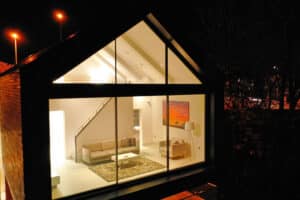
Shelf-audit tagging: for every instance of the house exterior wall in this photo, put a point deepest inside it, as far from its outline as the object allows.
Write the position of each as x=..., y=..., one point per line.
x=11, y=133
x=35, y=132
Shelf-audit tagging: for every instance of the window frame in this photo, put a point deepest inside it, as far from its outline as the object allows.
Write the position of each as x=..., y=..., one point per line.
x=90, y=90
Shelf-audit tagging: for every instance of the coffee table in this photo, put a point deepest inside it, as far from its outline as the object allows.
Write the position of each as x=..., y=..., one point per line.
x=124, y=161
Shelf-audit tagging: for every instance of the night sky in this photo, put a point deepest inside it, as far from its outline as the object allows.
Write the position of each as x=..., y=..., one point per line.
x=35, y=20
x=36, y=24
x=249, y=34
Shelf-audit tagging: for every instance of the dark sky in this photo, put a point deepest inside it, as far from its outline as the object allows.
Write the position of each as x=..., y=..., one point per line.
x=34, y=20
x=250, y=34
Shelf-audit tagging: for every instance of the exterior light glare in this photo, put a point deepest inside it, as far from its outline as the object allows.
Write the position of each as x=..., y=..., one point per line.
x=15, y=35
x=60, y=17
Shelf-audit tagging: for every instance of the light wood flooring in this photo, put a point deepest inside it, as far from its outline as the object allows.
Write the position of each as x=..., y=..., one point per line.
x=76, y=177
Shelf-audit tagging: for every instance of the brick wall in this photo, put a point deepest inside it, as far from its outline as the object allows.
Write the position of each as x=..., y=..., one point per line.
x=11, y=134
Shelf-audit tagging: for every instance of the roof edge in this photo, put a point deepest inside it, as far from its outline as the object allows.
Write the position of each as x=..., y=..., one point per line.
x=172, y=41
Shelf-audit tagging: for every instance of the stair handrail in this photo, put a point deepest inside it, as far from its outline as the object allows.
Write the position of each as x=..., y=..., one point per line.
x=87, y=122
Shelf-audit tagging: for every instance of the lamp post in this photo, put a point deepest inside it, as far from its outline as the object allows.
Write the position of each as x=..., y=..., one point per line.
x=15, y=36
x=60, y=18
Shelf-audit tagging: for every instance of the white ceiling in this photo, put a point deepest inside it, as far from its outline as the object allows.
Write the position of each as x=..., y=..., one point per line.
x=140, y=59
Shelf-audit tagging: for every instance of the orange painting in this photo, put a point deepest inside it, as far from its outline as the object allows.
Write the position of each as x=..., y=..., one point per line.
x=178, y=113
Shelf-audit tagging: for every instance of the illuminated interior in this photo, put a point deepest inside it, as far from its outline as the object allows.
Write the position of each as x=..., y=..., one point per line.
x=140, y=59
x=57, y=138
x=93, y=137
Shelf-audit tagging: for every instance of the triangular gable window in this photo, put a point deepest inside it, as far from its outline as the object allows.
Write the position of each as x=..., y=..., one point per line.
x=136, y=57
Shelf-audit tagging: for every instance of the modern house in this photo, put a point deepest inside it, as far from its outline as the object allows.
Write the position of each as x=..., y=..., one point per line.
x=107, y=111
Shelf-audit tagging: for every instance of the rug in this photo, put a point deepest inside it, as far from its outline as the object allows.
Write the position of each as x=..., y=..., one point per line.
x=128, y=168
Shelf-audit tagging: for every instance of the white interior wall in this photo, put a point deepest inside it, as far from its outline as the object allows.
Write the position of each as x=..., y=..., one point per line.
x=146, y=121
x=144, y=104
x=152, y=129
x=159, y=133
x=197, y=115
x=197, y=110
x=125, y=117
x=102, y=128
x=77, y=111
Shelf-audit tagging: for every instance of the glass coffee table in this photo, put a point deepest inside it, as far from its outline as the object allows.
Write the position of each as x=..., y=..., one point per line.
x=124, y=159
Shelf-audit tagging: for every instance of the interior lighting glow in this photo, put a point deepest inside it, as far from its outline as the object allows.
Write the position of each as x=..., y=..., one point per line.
x=100, y=75
x=57, y=138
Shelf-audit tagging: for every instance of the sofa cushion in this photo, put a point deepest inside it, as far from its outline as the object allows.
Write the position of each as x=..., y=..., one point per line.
x=93, y=147
x=92, y=153
x=125, y=142
x=127, y=149
x=108, y=145
x=99, y=154
x=132, y=142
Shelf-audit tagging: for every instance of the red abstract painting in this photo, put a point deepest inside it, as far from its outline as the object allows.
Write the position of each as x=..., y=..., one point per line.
x=178, y=113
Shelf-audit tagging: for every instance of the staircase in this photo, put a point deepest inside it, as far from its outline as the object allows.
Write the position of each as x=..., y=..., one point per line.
x=87, y=122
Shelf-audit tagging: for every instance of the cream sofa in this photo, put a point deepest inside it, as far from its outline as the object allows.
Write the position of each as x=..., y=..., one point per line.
x=178, y=148
x=102, y=151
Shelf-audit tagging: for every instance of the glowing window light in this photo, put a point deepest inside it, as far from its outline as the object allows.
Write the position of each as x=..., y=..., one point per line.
x=57, y=138
x=100, y=75
x=60, y=80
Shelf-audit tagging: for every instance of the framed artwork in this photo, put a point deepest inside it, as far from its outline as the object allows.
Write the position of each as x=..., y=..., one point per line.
x=179, y=113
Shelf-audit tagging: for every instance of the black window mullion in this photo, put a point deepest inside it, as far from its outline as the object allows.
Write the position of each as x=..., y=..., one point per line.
x=116, y=118
x=167, y=107
x=168, y=135
x=116, y=140
x=116, y=79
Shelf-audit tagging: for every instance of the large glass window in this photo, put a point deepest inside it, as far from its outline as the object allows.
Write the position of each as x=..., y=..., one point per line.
x=89, y=143
x=178, y=72
x=81, y=138
x=99, y=68
x=139, y=150
x=98, y=142
x=140, y=56
x=186, y=130
x=140, y=59
x=137, y=56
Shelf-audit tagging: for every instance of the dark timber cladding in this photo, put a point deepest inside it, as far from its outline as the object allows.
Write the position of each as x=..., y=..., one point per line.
x=36, y=141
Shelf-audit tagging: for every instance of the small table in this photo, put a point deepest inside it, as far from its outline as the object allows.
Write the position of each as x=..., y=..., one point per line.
x=124, y=156
x=124, y=159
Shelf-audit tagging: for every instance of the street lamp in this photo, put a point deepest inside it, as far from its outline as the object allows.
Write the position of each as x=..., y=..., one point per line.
x=60, y=17
x=15, y=36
